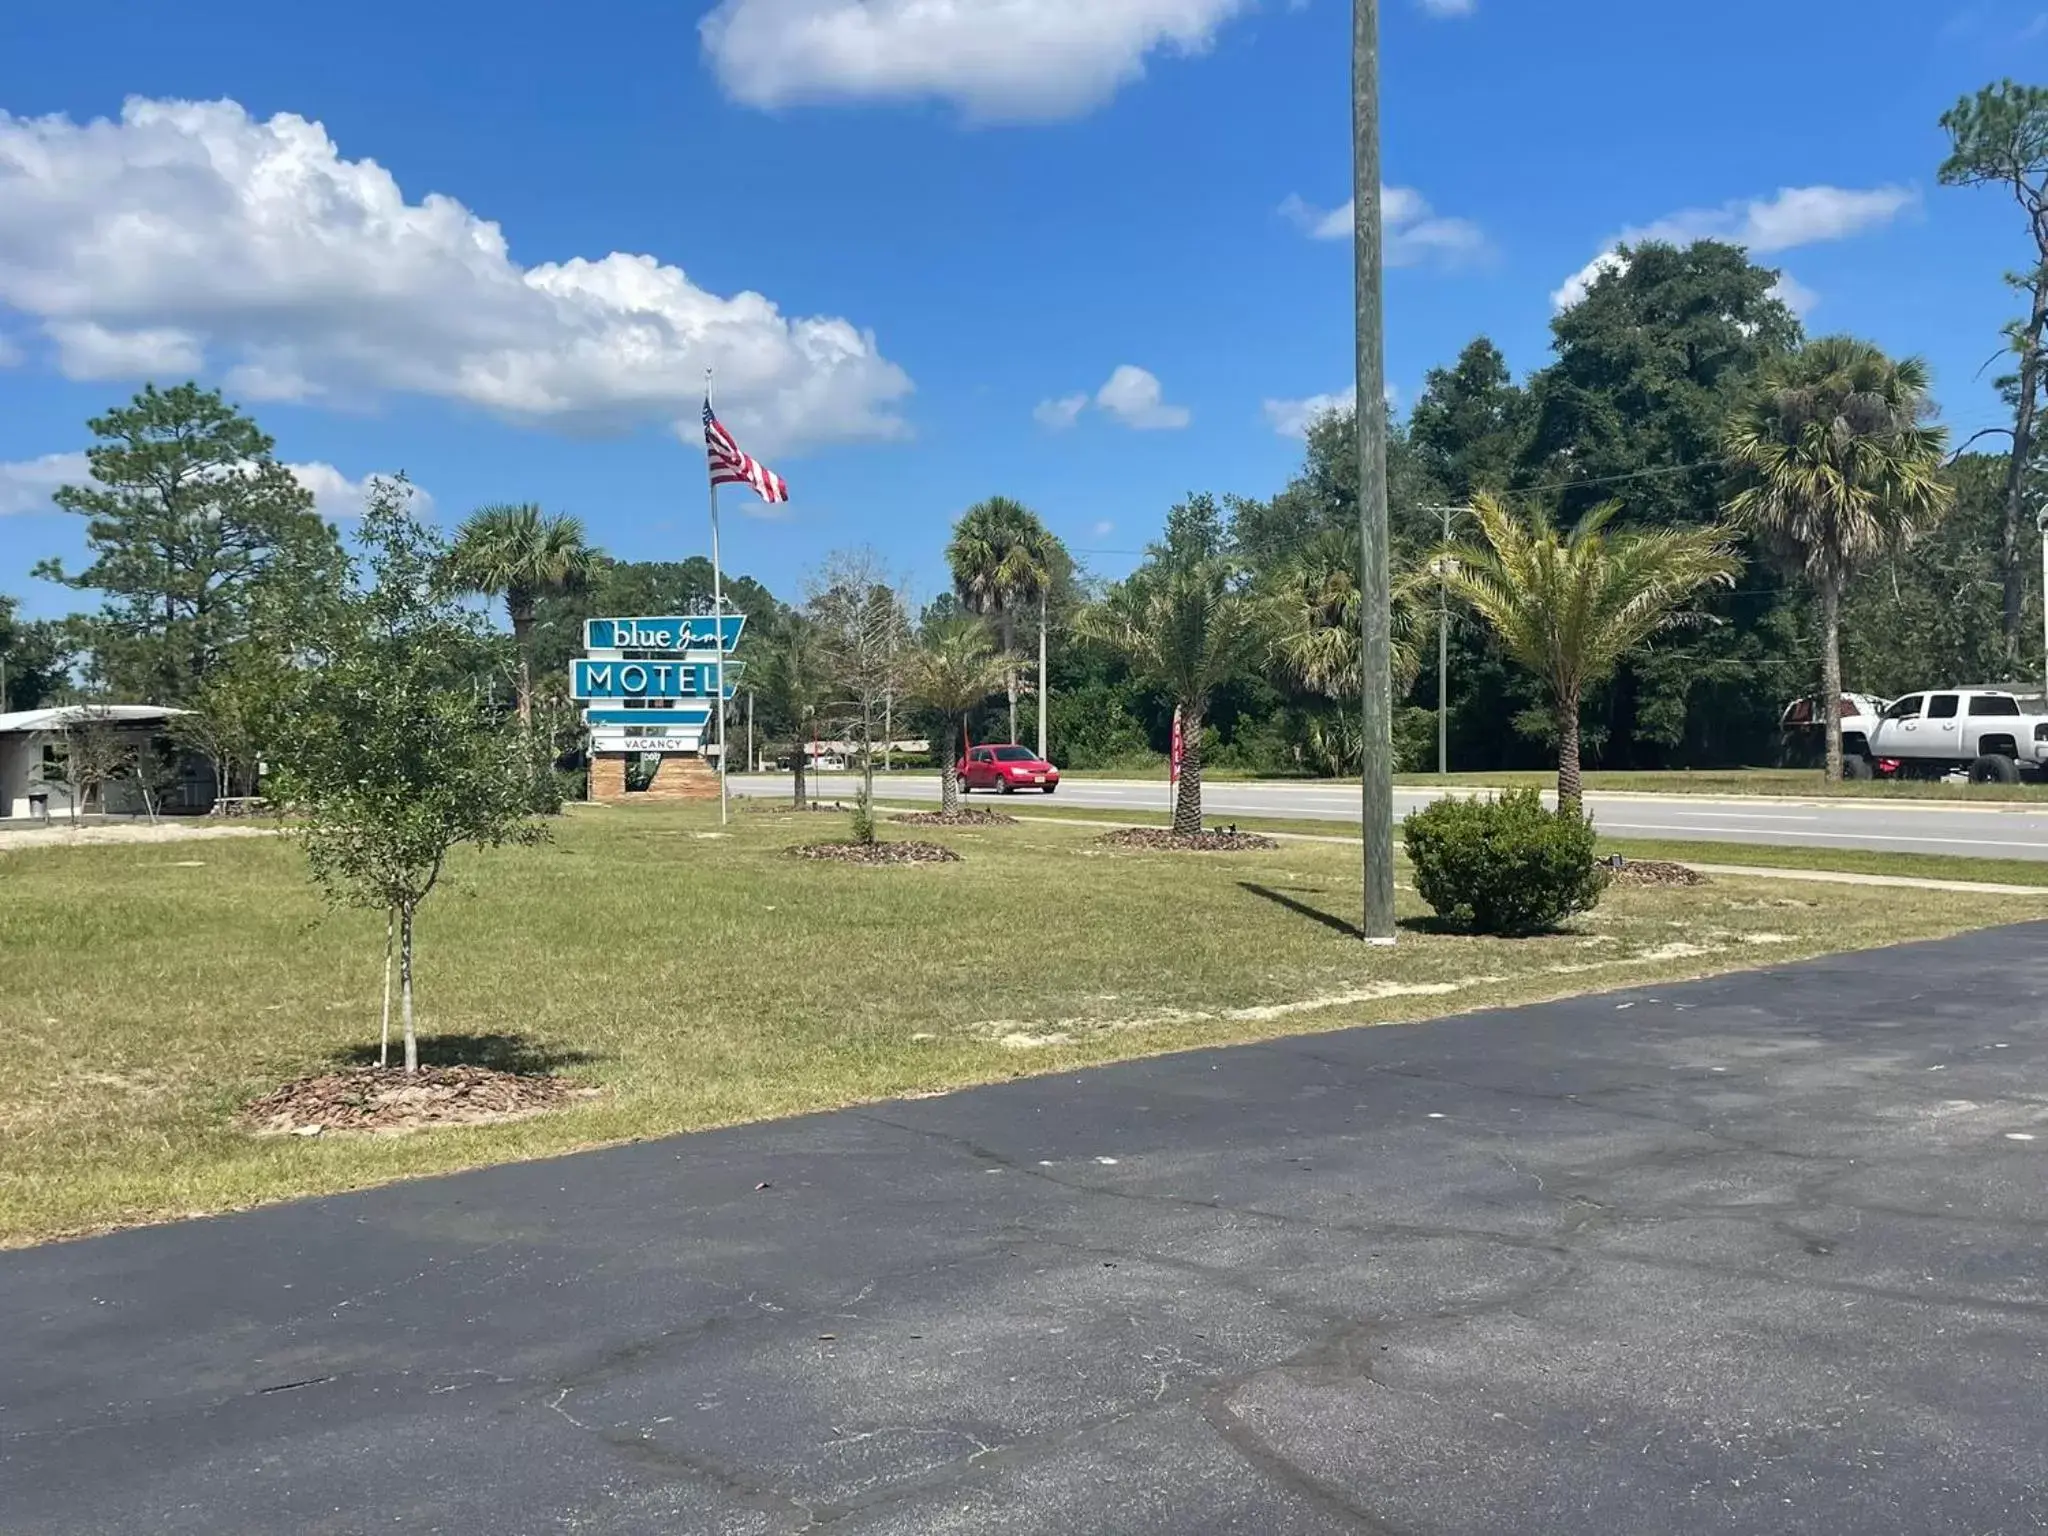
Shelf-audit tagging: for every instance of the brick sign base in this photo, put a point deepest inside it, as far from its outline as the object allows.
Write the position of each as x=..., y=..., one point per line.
x=681, y=776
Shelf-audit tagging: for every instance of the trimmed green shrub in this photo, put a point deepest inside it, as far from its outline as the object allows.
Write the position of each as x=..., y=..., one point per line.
x=1504, y=866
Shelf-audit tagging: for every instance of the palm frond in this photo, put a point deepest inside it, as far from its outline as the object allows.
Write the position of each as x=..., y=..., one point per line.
x=1186, y=627
x=1001, y=555
x=955, y=667
x=1834, y=462
x=520, y=553
x=1570, y=607
x=1311, y=611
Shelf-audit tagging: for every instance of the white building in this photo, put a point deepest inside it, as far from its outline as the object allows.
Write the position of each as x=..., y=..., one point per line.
x=32, y=752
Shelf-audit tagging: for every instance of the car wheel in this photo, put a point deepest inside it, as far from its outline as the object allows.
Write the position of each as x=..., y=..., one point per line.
x=1050, y=788
x=1994, y=768
x=964, y=785
x=1007, y=787
x=1855, y=767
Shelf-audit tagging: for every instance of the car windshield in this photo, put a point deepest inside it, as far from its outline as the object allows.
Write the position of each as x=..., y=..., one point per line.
x=1015, y=755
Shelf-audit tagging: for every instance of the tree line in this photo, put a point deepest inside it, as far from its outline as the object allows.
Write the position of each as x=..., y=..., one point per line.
x=1682, y=395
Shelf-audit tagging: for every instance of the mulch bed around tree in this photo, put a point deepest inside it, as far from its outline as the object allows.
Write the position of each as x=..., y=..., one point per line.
x=966, y=816
x=784, y=808
x=878, y=853
x=1655, y=872
x=392, y=1099
x=1200, y=842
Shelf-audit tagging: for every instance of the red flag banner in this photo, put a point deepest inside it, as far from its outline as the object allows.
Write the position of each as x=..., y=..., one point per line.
x=1173, y=763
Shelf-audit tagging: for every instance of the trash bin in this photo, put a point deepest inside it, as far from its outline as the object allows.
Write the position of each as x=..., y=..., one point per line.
x=39, y=805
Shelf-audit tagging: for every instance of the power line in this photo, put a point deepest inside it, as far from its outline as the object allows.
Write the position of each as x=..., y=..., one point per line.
x=1525, y=490
x=1636, y=474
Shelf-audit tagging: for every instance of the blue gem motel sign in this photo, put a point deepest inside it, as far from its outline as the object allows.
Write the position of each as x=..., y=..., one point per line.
x=598, y=677
x=696, y=632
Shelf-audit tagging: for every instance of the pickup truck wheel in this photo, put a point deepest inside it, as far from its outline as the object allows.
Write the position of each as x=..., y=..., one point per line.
x=1994, y=768
x=1856, y=767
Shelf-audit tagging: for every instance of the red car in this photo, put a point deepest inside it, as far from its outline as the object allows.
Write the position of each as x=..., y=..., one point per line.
x=1008, y=769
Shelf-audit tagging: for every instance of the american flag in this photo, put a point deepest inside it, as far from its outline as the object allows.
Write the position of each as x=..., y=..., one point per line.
x=729, y=466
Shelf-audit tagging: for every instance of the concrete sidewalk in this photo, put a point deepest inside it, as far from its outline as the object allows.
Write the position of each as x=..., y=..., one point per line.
x=1766, y=1253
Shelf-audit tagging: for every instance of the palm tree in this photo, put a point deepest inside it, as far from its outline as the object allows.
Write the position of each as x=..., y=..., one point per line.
x=1311, y=615
x=521, y=554
x=1570, y=606
x=791, y=682
x=1049, y=566
x=1834, y=464
x=1001, y=557
x=953, y=669
x=1184, y=626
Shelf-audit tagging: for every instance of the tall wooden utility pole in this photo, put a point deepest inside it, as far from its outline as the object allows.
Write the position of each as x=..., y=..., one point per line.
x=1374, y=581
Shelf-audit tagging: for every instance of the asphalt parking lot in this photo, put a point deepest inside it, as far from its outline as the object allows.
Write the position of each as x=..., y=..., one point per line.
x=1766, y=1253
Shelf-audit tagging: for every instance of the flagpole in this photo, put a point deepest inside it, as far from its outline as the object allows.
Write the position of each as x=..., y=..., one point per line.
x=717, y=629
x=718, y=633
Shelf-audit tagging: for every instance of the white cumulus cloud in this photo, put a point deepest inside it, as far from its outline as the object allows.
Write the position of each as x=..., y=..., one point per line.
x=1131, y=395
x=1412, y=233
x=1790, y=218
x=1058, y=415
x=1794, y=295
x=190, y=233
x=337, y=496
x=88, y=350
x=1293, y=418
x=26, y=485
x=1580, y=283
x=1134, y=397
x=1009, y=60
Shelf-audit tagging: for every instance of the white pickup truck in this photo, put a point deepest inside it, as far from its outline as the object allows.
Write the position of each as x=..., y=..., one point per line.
x=1996, y=735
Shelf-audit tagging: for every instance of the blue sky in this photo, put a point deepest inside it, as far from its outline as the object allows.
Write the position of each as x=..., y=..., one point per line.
x=1090, y=253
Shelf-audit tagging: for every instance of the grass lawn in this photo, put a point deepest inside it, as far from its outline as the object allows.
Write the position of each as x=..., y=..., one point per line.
x=1855, y=861
x=701, y=979
x=1862, y=861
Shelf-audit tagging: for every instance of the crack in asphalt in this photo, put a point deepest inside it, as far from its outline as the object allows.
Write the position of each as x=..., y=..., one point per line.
x=1583, y=1233
x=1561, y=1245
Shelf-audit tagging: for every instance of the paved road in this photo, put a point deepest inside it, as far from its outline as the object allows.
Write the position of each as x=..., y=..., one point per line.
x=1757, y=1255
x=2016, y=832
